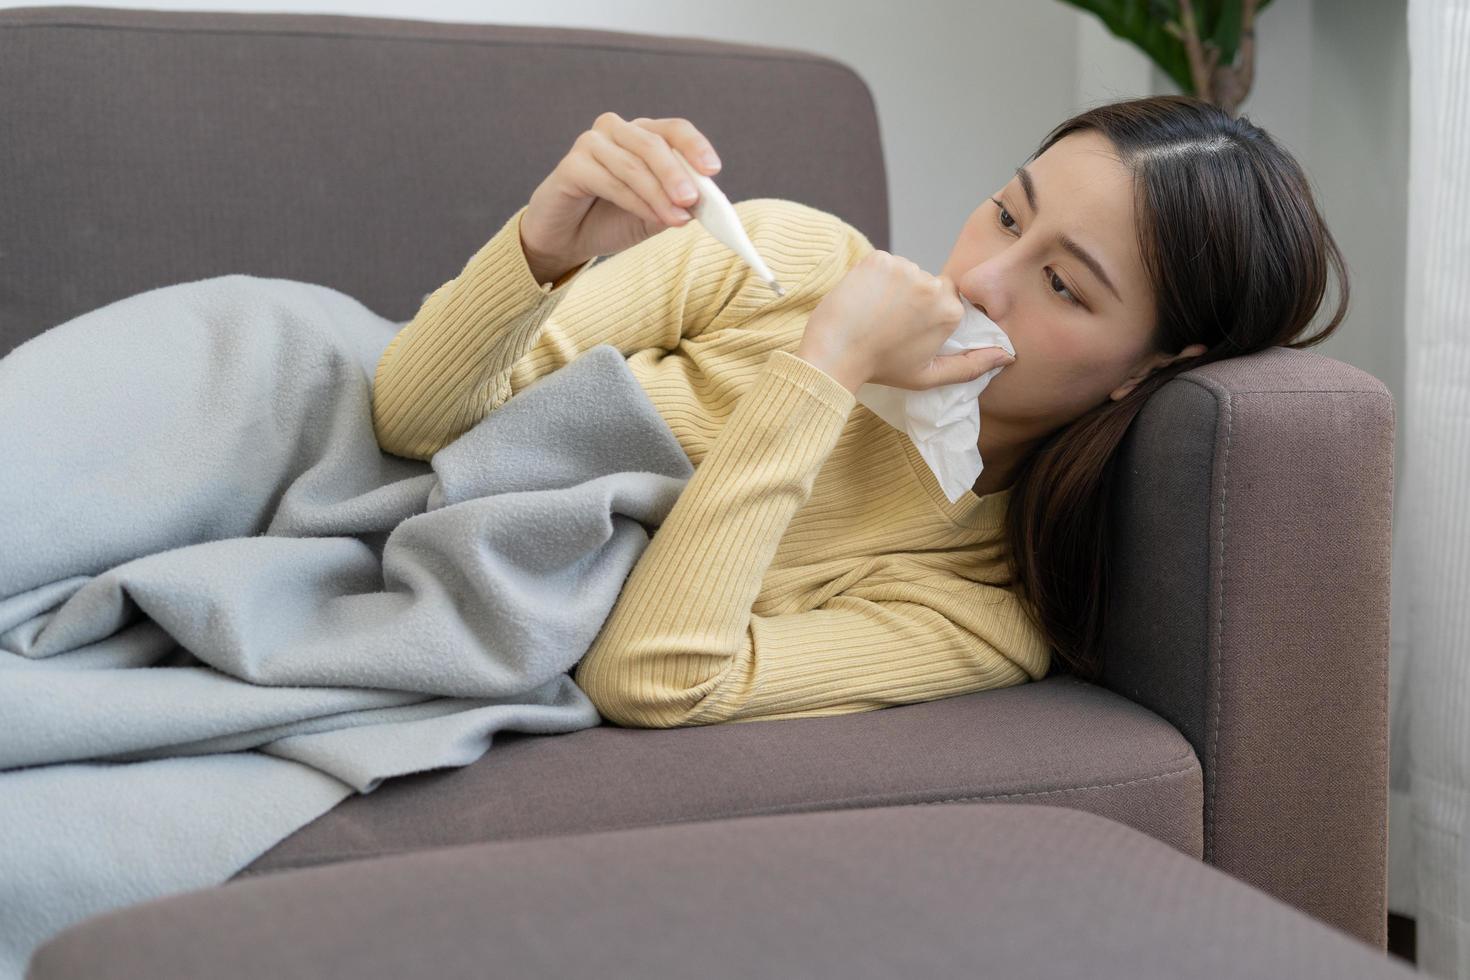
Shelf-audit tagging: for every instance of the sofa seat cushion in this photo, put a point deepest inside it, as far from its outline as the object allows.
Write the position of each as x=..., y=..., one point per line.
x=1058, y=741
x=901, y=891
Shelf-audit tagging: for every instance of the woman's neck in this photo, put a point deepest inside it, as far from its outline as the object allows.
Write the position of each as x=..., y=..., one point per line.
x=1002, y=456
x=991, y=480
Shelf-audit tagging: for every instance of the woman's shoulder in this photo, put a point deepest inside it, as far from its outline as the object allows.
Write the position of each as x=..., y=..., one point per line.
x=793, y=220
x=799, y=242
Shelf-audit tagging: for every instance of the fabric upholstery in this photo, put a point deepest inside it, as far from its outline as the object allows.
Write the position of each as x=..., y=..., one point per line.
x=907, y=891
x=369, y=154
x=1251, y=542
x=1060, y=741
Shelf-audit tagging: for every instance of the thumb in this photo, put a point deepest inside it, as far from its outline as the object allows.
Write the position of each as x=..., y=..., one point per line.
x=966, y=366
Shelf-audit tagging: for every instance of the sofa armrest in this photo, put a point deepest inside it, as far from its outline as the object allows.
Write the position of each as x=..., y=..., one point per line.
x=1251, y=537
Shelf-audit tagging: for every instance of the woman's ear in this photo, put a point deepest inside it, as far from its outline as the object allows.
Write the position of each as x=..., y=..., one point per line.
x=1159, y=361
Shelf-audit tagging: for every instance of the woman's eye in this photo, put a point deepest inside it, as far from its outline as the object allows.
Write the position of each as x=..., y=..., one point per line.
x=1006, y=221
x=1056, y=281
x=1009, y=224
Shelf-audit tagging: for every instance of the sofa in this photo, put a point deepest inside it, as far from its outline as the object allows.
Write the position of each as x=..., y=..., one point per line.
x=1240, y=721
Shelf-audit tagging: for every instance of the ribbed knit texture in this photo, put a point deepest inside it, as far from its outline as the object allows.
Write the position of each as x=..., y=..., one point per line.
x=812, y=565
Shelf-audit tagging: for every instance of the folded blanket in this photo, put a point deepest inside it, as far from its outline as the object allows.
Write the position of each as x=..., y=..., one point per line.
x=223, y=608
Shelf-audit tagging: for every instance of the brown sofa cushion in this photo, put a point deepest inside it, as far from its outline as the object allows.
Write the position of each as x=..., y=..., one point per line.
x=908, y=891
x=1059, y=741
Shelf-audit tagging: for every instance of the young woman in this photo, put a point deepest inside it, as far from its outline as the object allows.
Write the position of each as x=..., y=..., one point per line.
x=813, y=565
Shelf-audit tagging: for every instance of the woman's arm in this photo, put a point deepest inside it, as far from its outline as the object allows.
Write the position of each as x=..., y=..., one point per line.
x=460, y=336
x=854, y=653
x=682, y=645
x=493, y=329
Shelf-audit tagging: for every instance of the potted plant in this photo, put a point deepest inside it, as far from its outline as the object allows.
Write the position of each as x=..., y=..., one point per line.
x=1206, y=46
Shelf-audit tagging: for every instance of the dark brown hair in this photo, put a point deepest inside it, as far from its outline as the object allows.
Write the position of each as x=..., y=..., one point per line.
x=1238, y=256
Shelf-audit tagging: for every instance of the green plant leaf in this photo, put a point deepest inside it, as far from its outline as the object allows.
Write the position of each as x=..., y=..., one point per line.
x=1142, y=22
x=1223, y=26
x=1225, y=30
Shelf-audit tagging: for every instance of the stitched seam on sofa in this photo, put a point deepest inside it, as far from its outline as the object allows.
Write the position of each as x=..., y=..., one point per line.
x=1215, y=388
x=1212, y=774
x=1064, y=789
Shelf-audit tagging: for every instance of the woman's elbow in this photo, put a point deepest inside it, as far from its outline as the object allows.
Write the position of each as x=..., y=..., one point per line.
x=628, y=706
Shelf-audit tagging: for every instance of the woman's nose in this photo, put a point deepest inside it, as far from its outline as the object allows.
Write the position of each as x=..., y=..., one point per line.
x=985, y=288
x=986, y=301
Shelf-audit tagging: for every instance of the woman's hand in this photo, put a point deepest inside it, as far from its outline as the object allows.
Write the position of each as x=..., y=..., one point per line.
x=885, y=322
x=617, y=185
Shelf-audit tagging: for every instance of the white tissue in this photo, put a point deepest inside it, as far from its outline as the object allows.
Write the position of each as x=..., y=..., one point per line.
x=944, y=422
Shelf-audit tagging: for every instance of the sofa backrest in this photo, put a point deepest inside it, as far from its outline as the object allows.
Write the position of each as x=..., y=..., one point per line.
x=144, y=148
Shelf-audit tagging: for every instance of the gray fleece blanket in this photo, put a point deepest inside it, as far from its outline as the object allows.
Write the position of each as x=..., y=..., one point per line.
x=223, y=608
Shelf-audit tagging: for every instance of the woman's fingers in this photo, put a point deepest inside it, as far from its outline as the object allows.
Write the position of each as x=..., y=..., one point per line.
x=631, y=168
x=992, y=357
x=669, y=185
x=965, y=366
x=597, y=174
x=616, y=171
x=659, y=144
x=650, y=145
x=682, y=134
x=634, y=188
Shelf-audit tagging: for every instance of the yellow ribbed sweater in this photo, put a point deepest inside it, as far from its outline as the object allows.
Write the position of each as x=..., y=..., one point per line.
x=812, y=564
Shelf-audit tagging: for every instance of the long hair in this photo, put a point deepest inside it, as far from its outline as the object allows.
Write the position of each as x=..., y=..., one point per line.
x=1238, y=257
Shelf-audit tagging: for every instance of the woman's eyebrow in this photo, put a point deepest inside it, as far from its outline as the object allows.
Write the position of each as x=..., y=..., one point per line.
x=1082, y=254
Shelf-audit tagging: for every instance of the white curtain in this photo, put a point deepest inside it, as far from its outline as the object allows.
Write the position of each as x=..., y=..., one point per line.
x=1431, y=675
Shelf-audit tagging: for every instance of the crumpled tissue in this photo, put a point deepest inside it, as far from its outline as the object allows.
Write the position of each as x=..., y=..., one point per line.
x=944, y=423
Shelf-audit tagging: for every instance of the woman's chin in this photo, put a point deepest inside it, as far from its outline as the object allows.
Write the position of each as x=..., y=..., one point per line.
x=988, y=397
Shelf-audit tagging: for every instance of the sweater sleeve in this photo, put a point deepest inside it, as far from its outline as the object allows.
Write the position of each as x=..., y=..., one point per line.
x=682, y=645
x=855, y=653
x=492, y=330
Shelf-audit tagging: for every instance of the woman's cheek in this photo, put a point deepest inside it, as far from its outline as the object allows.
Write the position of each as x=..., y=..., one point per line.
x=1067, y=364
x=1007, y=390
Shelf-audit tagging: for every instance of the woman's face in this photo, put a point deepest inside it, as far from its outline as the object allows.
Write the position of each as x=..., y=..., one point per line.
x=1080, y=332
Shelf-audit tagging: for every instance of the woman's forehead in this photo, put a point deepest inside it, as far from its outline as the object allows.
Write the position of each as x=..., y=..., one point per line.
x=1081, y=189
x=1079, y=175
